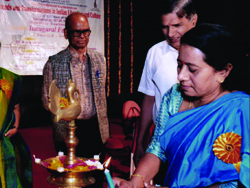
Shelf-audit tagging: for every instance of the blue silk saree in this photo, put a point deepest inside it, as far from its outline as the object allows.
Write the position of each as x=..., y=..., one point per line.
x=15, y=157
x=208, y=144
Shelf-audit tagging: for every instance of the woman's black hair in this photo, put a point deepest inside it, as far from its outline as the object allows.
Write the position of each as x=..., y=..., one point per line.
x=218, y=46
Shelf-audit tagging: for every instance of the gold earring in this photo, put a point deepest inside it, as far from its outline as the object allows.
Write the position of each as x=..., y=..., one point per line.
x=221, y=81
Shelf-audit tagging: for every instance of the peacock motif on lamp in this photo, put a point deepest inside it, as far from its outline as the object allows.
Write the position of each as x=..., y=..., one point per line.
x=68, y=112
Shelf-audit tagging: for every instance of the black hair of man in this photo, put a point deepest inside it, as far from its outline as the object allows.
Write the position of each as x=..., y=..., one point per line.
x=180, y=7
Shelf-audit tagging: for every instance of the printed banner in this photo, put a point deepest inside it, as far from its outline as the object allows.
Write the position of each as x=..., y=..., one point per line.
x=32, y=30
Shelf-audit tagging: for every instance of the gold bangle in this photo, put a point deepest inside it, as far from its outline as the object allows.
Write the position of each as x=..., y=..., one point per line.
x=138, y=175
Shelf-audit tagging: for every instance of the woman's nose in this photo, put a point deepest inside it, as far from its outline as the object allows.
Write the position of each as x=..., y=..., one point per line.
x=183, y=73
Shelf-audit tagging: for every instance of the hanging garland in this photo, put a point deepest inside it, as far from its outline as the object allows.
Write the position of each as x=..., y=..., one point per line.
x=108, y=48
x=120, y=47
x=132, y=48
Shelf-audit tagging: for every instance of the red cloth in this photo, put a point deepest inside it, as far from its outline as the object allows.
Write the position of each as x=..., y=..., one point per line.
x=40, y=142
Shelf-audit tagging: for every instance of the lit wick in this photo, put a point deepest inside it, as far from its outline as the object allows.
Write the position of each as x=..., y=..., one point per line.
x=97, y=157
x=60, y=153
x=37, y=160
x=107, y=174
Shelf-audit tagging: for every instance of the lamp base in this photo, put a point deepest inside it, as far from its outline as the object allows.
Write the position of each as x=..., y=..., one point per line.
x=71, y=179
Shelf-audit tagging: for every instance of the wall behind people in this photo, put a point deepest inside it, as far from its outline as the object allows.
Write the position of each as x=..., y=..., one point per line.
x=126, y=46
x=33, y=114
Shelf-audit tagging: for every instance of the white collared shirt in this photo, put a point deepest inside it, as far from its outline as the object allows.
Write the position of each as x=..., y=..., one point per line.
x=159, y=72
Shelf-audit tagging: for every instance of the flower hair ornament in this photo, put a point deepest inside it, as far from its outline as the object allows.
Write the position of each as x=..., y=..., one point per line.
x=227, y=148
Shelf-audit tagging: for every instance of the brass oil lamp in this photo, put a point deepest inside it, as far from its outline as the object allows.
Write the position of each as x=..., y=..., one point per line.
x=68, y=171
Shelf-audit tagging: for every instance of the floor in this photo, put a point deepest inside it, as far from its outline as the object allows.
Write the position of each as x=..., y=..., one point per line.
x=39, y=140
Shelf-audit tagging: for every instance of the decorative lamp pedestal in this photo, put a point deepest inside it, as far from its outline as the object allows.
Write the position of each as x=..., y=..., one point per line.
x=75, y=178
x=68, y=171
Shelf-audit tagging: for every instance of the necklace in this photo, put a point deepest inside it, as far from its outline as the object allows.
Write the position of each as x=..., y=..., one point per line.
x=189, y=105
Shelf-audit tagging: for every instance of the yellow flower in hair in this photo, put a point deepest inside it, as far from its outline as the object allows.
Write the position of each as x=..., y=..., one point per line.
x=64, y=103
x=227, y=148
x=5, y=86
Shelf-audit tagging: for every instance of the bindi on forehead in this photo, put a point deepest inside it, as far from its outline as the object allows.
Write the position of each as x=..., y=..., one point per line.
x=182, y=62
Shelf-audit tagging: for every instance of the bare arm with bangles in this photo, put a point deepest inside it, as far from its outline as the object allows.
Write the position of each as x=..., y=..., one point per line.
x=144, y=173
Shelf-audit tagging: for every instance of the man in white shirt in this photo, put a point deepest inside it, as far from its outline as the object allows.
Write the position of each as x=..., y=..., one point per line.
x=160, y=69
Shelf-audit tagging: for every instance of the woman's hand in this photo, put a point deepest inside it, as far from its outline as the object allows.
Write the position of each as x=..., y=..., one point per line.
x=121, y=183
x=147, y=185
x=14, y=130
x=11, y=132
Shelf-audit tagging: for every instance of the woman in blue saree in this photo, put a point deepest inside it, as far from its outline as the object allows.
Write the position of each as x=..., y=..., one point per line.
x=202, y=128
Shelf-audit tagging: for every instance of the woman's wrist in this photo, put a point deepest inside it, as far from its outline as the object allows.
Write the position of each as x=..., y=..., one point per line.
x=14, y=127
x=137, y=180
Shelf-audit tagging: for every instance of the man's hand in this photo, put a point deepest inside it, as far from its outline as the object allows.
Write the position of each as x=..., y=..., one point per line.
x=144, y=126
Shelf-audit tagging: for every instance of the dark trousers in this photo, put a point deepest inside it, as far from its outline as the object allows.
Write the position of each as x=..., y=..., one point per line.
x=90, y=144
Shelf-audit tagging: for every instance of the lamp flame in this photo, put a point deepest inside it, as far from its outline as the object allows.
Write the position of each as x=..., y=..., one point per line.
x=106, y=163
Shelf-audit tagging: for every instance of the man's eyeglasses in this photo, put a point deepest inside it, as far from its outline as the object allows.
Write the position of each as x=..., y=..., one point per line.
x=78, y=33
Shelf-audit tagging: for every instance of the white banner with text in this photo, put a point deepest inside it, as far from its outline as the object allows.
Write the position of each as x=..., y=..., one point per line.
x=32, y=30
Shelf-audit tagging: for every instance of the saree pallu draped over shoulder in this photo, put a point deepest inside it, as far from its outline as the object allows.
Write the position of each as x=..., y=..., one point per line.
x=208, y=144
x=15, y=158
